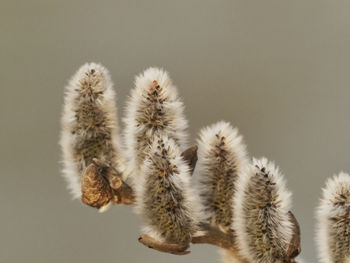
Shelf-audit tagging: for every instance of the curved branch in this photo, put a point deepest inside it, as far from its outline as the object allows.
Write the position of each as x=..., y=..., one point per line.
x=171, y=248
x=216, y=237
x=102, y=184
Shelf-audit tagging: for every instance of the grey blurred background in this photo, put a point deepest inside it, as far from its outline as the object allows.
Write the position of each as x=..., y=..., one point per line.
x=278, y=70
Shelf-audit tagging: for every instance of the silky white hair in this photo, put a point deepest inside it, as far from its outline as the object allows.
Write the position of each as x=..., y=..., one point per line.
x=77, y=131
x=261, y=221
x=153, y=109
x=222, y=157
x=333, y=221
x=164, y=196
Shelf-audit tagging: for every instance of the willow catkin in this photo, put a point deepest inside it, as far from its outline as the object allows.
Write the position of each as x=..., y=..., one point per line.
x=261, y=221
x=164, y=197
x=333, y=221
x=153, y=109
x=222, y=157
x=89, y=125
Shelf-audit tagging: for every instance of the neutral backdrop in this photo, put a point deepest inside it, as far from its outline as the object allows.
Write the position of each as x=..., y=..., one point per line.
x=278, y=70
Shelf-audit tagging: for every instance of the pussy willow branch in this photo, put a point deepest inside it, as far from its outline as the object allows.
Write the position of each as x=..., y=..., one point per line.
x=108, y=182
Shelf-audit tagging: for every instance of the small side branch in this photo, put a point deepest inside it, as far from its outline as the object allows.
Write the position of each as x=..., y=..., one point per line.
x=216, y=237
x=122, y=192
x=171, y=248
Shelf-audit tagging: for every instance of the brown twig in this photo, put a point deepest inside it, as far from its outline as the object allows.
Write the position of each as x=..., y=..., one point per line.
x=172, y=248
x=216, y=237
x=122, y=192
x=102, y=184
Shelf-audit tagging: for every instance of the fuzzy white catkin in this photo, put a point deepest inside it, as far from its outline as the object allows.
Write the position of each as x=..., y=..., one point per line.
x=89, y=124
x=333, y=221
x=222, y=157
x=261, y=220
x=164, y=197
x=153, y=109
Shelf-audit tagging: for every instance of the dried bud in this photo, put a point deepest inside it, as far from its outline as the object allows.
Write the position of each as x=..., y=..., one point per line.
x=96, y=191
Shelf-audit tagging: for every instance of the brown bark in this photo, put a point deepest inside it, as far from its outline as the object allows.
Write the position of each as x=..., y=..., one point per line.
x=172, y=248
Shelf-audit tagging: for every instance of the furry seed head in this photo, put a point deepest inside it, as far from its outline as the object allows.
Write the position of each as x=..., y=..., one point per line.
x=89, y=124
x=333, y=221
x=261, y=219
x=222, y=157
x=164, y=197
x=153, y=109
